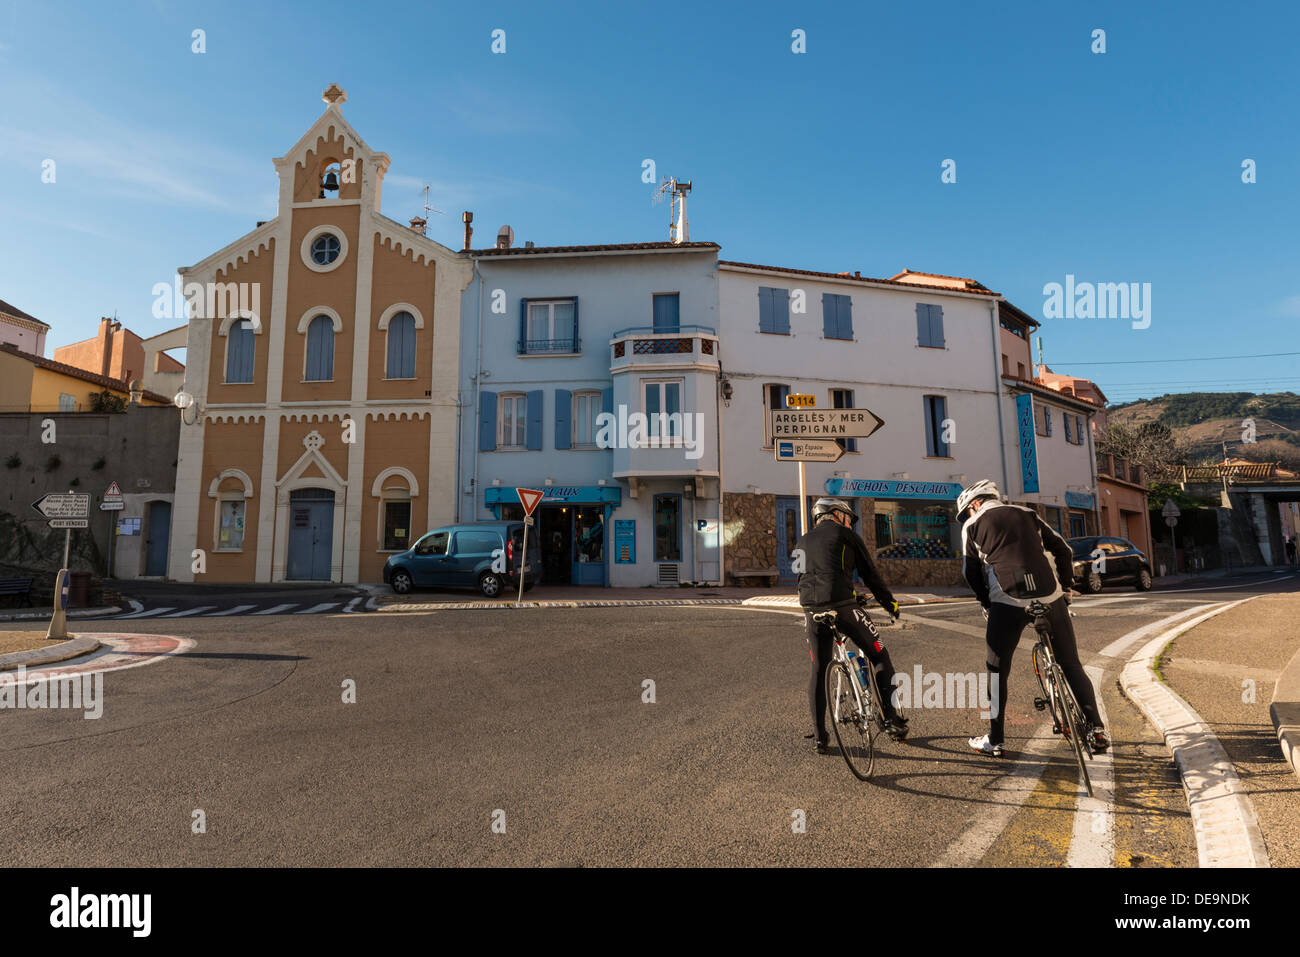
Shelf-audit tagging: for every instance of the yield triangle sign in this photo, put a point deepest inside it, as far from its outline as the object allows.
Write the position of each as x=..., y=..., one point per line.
x=113, y=490
x=529, y=497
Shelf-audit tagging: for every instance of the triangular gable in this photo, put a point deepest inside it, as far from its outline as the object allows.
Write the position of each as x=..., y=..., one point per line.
x=312, y=456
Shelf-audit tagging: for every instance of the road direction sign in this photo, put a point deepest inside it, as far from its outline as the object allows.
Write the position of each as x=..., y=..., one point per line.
x=798, y=401
x=808, y=450
x=63, y=505
x=108, y=505
x=69, y=523
x=529, y=497
x=824, y=423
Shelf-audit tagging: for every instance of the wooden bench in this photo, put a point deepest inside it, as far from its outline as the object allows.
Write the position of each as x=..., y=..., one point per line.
x=18, y=587
x=769, y=575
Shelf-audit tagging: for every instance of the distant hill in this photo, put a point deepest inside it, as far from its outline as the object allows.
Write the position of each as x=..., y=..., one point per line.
x=1205, y=420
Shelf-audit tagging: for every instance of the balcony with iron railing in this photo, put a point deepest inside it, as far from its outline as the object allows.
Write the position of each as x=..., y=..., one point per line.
x=571, y=345
x=645, y=345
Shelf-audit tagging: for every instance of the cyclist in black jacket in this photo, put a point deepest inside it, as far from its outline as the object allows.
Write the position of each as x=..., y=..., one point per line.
x=832, y=552
x=1011, y=558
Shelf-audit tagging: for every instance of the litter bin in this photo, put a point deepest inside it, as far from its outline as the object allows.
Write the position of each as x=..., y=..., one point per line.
x=79, y=590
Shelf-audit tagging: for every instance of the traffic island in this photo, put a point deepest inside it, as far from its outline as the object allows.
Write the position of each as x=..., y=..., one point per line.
x=30, y=649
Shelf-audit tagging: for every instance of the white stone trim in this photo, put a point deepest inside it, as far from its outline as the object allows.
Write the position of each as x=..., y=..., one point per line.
x=315, y=311
x=305, y=248
x=394, y=309
x=230, y=473
x=412, y=483
x=237, y=316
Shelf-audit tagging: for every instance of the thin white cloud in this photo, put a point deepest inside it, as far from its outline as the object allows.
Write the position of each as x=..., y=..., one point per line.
x=1289, y=307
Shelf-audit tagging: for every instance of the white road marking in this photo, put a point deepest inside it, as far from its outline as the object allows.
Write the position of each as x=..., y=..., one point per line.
x=276, y=609
x=230, y=611
x=1124, y=642
x=147, y=614
x=1093, y=841
x=351, y=606
x=317, y=609
x=973, y=630
x=136, y=605
x=190, y=611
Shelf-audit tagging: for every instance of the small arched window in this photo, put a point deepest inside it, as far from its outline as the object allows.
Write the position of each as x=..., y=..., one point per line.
x=401, y=347
x=320, y=350
x=239, y=352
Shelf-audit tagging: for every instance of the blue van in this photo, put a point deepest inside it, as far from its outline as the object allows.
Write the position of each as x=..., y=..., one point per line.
x=482, y=555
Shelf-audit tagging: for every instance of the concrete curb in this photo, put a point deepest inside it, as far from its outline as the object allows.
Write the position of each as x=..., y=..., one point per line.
x=1285, y=712
x=72, y=648
x=1227, y=831
x=775, y=601
x=41, y=614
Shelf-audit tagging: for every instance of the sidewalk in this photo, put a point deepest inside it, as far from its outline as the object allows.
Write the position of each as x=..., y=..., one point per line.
x=1227, y=668
x=1211, y=575
x=43, y=614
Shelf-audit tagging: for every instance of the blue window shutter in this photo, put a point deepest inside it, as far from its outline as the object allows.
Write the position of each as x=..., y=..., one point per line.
x=922, y=324
x=523, y=325
x=765, y=323
x=533, y=437
x=487, y=422
x=667, y=312
x=563, y=411
x=781, y=311
x=576, y=340
x=607, y=400
x=846, y=317
x=830, y=321
x=936, y=326
x=929, y=425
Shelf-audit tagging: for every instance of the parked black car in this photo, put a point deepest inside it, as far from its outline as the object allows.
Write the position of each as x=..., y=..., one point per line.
x=1100, y=561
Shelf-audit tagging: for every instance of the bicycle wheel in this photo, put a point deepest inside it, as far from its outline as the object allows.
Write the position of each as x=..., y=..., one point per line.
x=1075, y=723
x=1049, y=698
x=853, y=730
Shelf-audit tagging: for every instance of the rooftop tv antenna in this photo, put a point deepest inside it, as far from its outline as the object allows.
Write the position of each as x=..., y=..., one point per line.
x=427, y=207
x=679, y=231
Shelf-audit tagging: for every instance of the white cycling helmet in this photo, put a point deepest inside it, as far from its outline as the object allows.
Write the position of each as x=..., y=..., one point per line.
x=826, y=506
x=981, y=489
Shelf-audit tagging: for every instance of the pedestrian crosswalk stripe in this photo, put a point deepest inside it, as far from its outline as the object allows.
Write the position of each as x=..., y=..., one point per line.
x=230, y=611
x=314, y=609
x=190, y=611
x=276, y=609
x=147, y=614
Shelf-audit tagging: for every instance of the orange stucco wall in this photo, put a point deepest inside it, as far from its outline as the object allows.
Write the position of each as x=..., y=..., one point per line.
x=398, y=277
x=227, y=445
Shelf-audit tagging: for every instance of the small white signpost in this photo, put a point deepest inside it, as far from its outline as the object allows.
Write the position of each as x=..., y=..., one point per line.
x=528, y=498
x=1171, y=513
x=66, y=510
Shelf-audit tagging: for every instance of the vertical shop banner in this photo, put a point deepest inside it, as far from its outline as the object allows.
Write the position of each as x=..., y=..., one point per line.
x=1028, y=448
x=625, y=541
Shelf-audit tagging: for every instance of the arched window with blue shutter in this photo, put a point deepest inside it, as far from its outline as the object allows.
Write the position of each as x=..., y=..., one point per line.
x=239, y=352
x=401, y=347
x=320, y=350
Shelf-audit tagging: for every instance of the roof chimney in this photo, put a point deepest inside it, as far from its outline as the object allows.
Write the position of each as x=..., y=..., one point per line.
x=467, y=217
x=505, y=237
x=418, y=224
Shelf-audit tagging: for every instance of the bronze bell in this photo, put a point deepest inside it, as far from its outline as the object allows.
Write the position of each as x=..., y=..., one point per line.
x=331, y=183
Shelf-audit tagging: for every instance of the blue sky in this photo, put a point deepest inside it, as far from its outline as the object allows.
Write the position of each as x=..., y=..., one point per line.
x=1115, y=167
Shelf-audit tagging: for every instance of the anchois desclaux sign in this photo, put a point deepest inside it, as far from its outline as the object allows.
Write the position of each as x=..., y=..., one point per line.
x=1028, y=449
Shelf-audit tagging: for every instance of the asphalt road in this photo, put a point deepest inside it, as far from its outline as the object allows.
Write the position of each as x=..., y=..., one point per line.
x=536, y=717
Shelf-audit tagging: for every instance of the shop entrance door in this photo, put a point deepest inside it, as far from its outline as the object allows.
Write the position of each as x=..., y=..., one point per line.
x=556, y=544
x=589, y=545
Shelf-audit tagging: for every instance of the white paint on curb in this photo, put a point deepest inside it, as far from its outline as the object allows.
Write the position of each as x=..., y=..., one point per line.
x=1227, y=831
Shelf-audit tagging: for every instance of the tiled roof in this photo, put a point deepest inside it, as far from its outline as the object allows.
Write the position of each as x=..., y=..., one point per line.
x=607, y=247
x=854, y=277
x=1037, y=388
x=19, y=314
x=76, y=373
x=937, y=275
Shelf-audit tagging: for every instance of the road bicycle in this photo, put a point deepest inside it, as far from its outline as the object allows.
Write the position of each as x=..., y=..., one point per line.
x=857, y=715
x=1067, y=717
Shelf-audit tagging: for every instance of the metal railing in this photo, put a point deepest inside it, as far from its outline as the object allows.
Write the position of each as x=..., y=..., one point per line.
x=543, y=346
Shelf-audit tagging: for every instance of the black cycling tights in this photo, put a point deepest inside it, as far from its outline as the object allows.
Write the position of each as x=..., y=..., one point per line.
x=1006, y=623
x=853, y=621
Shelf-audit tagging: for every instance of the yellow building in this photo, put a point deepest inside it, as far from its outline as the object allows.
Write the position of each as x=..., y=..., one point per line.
x=321, y=358
x=31, y=383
